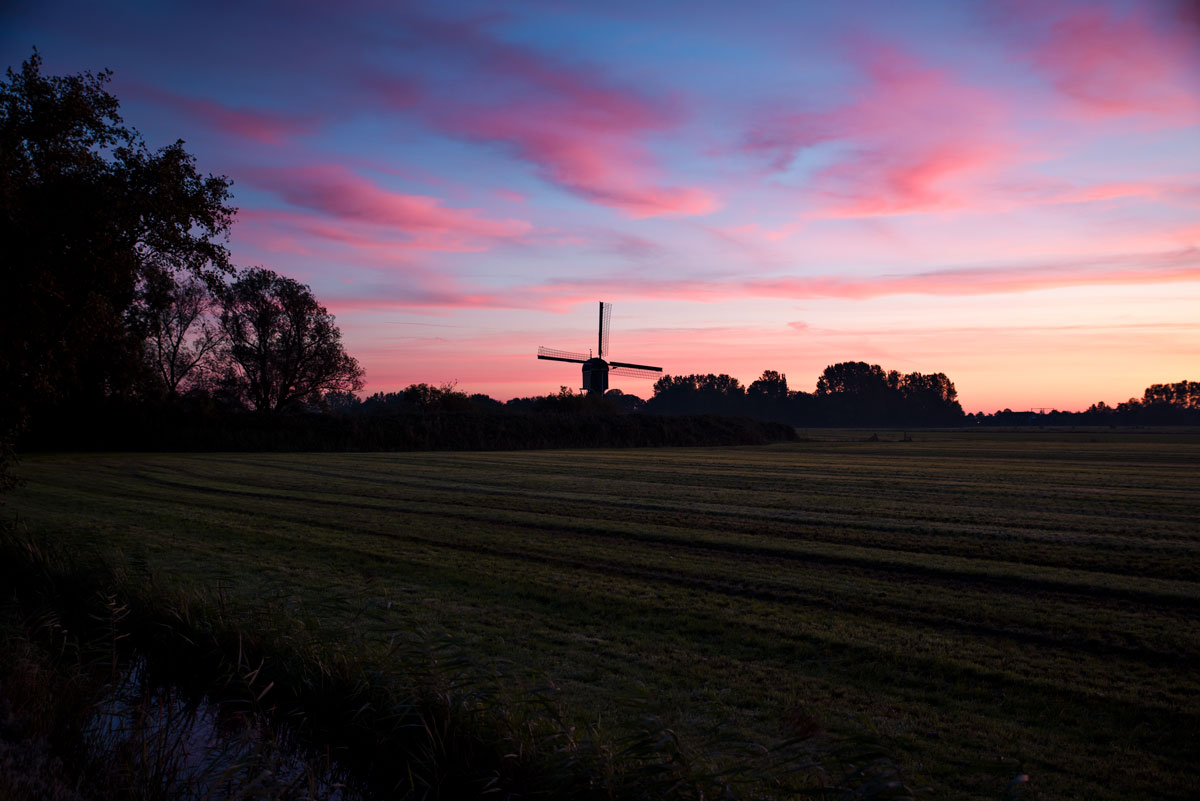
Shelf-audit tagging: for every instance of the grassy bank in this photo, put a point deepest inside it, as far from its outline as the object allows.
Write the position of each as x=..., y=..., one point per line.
x=115, y=687
x=985, y=601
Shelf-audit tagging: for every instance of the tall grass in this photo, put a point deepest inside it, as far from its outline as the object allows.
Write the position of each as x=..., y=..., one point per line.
x=116, y=686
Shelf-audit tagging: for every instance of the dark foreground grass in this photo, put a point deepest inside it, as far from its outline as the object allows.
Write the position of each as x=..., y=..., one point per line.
x=114, y=687
x=983, y=601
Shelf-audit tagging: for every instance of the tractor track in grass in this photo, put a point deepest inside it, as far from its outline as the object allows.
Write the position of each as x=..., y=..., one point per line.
x=788, y=526
x=767, y=591
x=817, y=513
x=878, y=565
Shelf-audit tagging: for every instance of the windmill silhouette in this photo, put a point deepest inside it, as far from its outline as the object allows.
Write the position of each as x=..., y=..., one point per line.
x=595, y=368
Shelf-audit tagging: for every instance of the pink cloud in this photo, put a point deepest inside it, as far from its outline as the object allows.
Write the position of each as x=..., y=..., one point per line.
x=579, y=130
x=511, y=196
x=1137, y=269
x=634, y=248
x=1110, y=191
x=1160, y=268
x=913, y=136
x=265, y=127
x=1050, y=192
x=385, y=297
x=286, y=230
x=1109, y=65
x=333, y=191
x=396, y=93
x=596, y=157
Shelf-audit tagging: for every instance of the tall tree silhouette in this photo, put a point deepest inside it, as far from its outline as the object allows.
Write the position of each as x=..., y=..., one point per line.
x=857, y=393
x=1184, y=394
x=930, y=399
x=87, y=214
x=284, y=344
x=767, y=397
x=184, y=337
x=698, y=394
x=771, y=385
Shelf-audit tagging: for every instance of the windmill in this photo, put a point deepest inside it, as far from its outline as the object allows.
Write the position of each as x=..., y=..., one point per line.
x=595, y=368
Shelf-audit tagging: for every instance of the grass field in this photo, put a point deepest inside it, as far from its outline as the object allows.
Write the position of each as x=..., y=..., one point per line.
x=973, y=596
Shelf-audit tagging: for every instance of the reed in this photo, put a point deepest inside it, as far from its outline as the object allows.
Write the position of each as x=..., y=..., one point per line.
x=125, y=688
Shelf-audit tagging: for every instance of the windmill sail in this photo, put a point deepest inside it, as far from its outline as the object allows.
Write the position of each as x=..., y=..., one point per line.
x=633, y=372
x=605, y=317
x=561, y=355
x=635, y=366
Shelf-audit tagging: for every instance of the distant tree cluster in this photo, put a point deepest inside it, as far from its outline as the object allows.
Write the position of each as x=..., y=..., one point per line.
x=1182, y=395
x=1175, y=404
x=847, y=394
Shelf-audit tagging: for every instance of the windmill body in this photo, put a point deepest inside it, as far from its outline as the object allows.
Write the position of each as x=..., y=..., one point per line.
x=596, y=368
x=595, y=376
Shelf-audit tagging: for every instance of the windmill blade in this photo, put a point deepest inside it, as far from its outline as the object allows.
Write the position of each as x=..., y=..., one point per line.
x=561, y=355
x=634, y=372
x=605, y=317
x=635, y=366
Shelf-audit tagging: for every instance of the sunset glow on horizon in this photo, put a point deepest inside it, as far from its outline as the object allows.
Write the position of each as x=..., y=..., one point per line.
x=1008, y=193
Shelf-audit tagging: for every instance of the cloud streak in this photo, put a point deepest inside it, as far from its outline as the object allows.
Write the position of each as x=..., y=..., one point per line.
x=1141, y=269
x=911, y=136
x=577, y=128
x=338, y=196
x=253, y=124
x=427, y=291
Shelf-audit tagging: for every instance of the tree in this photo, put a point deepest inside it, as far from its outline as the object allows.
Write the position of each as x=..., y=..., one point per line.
x=623, y=401
x=852, y=378
x=485, y=403
x=341, y=402
x=767, y=398
x=770, y=385
x=857, y=393
x=930, y=399
x=283, y=343
x=88, y=215
x=444, y=398
x=723, y=386
x=1184, y=394
x=184, y=333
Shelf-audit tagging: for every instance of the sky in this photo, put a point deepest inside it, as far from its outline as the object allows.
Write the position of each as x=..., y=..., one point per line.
x=1005, y=192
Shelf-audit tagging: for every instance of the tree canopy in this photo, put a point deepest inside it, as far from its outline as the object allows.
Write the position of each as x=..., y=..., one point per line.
x=847, y=394
x=283, y=343
x=89, y=218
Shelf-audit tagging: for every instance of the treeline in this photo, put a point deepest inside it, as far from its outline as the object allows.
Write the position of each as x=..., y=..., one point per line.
x=847, y=394
x=208, y=427
x=1175, y=404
